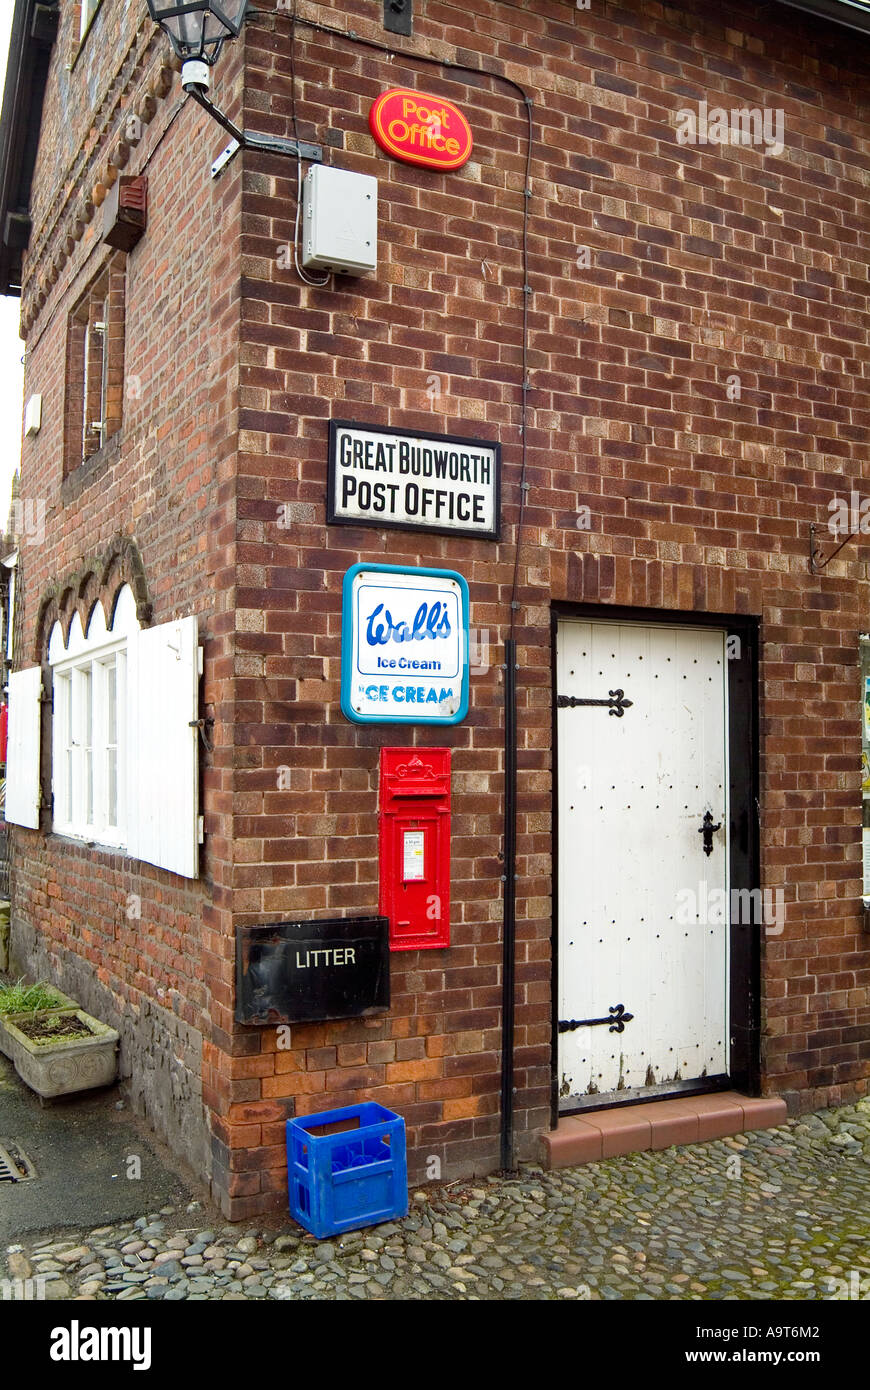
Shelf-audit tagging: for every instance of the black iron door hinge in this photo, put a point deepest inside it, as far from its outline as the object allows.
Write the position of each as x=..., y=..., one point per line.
x=617, y=704
x=617, y=1020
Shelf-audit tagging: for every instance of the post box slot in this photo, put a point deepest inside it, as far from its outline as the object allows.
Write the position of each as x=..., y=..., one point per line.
x=410, y=794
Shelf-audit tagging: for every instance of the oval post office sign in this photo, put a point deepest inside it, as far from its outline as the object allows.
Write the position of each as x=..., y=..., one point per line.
x=404, y=645
x=421, y=129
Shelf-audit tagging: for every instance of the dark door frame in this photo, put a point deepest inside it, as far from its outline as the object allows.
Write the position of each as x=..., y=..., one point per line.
x=743, y=838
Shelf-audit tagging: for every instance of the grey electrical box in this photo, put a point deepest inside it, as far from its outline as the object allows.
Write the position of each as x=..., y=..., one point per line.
x=339, y=221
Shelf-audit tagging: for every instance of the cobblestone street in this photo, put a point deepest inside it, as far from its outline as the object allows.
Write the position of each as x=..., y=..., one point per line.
x=781, y=1213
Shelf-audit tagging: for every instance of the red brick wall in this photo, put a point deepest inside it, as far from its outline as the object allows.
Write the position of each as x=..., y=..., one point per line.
x=704, y=263
x=161, y=488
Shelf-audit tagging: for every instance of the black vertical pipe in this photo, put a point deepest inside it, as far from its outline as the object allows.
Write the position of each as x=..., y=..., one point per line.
x=510, y=907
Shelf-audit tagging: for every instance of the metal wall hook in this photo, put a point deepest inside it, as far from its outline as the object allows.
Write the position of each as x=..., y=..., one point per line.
x=202, y=724
x=817, y=562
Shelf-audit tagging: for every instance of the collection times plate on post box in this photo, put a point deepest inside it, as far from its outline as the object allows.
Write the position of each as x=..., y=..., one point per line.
x=425, y=482
x=415, y=846
x=302, y=972
x=404, y=645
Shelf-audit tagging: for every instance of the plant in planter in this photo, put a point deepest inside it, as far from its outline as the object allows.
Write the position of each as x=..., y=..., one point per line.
x=62, y=1051
x=29, y=1000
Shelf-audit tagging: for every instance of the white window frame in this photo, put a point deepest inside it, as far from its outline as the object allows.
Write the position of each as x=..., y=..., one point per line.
x=80, y=761
x=89, y=9
x=99, y=329
x=80, y=749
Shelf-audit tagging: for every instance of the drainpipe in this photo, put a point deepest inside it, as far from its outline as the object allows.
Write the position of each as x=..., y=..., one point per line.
x=510, y=907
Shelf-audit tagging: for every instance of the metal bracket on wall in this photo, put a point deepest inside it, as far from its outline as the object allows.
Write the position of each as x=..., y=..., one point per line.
x=249, y=139
x=817, y=563
x=268, y=144
x=399, y=16
x=203, y=725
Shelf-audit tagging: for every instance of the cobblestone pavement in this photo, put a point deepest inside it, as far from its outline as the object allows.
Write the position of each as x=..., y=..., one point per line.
x=782, y=1213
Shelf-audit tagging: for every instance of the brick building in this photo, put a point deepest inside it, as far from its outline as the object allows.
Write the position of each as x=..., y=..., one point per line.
x=678, y=314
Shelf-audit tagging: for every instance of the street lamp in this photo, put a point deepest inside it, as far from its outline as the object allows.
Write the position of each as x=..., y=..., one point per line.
x=197, y=30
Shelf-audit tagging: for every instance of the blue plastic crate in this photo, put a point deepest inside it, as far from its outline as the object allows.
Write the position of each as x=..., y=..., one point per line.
x=347, y=1168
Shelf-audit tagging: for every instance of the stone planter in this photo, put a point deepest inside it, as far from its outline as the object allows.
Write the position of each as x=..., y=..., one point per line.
x=63, y=1002
x=56, y=1067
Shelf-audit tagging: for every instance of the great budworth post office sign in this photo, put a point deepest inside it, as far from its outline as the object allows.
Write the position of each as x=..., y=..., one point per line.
x=404, y=645
x=428, y=482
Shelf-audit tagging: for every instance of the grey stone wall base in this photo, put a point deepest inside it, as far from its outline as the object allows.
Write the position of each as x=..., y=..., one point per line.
x=160, y=1061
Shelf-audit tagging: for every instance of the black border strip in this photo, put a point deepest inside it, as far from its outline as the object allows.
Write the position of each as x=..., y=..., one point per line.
x=410, y=525
x=844, y=12
x=32, y=36
x=744, y=835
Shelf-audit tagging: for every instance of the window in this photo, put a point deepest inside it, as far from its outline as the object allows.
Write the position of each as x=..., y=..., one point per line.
x=89, y=763
x=125, y=737
x=86, y=797
x=96, y=360
x=95, y=366
x=89, y=9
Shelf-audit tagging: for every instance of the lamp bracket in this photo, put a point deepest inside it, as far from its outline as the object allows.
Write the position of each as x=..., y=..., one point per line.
x=224, y=158
x=276, y=144
x=270, y=144
x=250, y=139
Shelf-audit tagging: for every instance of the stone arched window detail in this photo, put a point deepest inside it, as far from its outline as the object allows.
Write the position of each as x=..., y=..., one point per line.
x=99, y=580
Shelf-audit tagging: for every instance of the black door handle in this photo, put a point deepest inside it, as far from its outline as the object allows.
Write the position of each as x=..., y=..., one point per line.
x=708, y=829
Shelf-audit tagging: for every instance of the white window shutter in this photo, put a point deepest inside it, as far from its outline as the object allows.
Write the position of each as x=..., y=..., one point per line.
x=162, y=746
x=22, y=754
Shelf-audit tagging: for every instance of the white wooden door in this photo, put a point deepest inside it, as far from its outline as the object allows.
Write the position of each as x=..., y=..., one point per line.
x=643, y=919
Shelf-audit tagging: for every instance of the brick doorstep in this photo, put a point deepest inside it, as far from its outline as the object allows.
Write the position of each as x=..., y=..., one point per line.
x=657, y=1125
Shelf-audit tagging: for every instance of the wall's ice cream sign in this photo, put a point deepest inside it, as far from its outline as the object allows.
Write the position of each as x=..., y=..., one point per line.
x=421, y=129
x=404, y=645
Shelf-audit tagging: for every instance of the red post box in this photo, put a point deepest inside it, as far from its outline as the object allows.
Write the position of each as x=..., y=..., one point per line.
x=415, y=846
